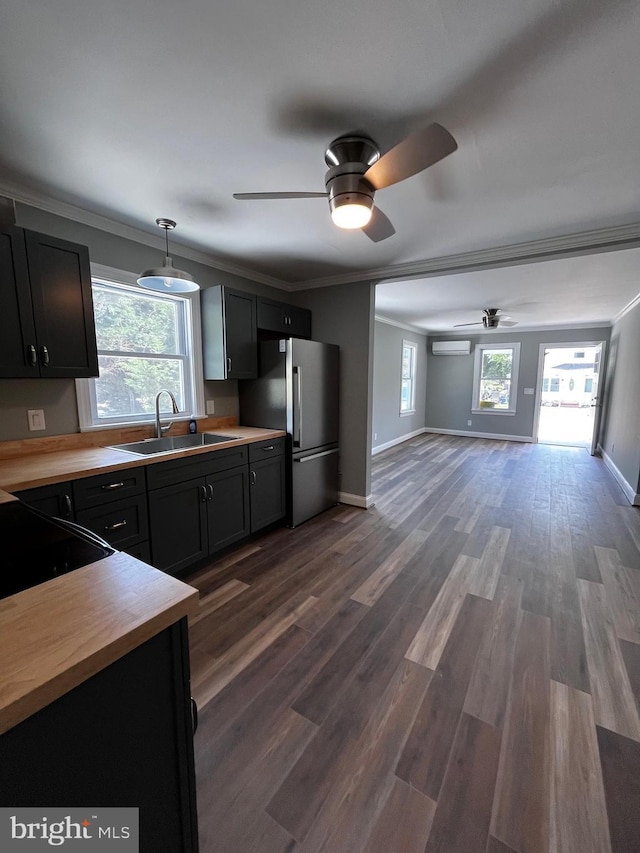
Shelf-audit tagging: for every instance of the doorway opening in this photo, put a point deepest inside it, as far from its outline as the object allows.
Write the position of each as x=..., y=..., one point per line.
x=568, y=409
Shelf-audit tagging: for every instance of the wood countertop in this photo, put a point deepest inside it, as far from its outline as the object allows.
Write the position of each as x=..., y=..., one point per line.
x=56, y=635
x=43, y=469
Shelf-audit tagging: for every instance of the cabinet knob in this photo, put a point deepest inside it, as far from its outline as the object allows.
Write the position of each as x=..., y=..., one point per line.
x=44, y=356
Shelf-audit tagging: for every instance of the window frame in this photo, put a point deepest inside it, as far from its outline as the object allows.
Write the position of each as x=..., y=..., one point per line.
x=85, y=388
x=411, y=379
x=480, y=348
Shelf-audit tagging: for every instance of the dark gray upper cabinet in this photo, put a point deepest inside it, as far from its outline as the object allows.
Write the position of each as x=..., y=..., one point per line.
x=229, y=334
x=283, y=319
x=46, y=310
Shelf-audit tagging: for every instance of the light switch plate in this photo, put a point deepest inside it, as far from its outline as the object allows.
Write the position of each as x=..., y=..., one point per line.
x=211, y=407
x=529, y=390
x=36, y=419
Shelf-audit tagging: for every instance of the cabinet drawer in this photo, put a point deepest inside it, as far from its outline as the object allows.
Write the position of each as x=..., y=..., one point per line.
x=200, y=465
x=122, y=523
x=95, y=491
x=265, y=449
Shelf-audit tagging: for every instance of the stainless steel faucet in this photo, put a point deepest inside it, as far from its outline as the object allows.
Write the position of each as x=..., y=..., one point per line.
x=162, y=428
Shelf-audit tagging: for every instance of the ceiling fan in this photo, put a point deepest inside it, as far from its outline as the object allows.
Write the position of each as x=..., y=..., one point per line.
x=357, y=169
x=491, y=319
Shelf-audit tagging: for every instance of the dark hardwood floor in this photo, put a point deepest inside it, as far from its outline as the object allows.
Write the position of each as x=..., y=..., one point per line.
x=455, y=670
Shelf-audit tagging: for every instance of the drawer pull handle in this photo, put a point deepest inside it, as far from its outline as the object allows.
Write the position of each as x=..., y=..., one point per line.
x=210, y=491
x=116, y=526
x=68, y=506
x=110, y=486
x=270, y=447
x=33, y=356
x=203, y=493
x=253, y=478
x=44, y=355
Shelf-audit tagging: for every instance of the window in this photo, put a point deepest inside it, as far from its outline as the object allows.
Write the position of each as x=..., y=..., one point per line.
x=578, y=355
x=408, y=378
x=495, y=378
x=145, y=343
x=588, y=385
x=555, y=385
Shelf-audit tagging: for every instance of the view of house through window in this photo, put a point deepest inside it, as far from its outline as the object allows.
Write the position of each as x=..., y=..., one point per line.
x=408, y=381
x=496, y=377
x=144, y=345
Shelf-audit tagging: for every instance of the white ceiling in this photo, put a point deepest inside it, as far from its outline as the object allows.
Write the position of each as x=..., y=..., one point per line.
x=134, y=109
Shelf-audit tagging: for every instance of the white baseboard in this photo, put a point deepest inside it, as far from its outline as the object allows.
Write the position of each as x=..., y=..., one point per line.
x=629, y=492
x=380, y=447
x=356, y=500
x=495, y=435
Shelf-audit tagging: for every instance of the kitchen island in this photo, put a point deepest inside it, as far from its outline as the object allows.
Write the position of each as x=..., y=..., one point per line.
x=94, y=697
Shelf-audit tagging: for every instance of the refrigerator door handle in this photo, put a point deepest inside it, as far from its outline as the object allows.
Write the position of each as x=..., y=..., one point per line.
x=297, y=413
x=318, y=455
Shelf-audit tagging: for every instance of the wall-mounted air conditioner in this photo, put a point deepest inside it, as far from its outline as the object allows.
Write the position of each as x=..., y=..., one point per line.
x=451, y=347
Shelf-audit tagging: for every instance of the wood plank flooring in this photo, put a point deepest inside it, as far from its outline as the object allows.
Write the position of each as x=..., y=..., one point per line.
x=456, y=670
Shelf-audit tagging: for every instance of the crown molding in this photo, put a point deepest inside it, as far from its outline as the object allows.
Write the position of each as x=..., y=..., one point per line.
x=130, y=232
x=627, y=308
x=586, y=242
x=380, y=319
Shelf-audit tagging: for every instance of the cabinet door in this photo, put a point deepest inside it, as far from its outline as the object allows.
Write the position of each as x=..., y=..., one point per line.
x=178, y=525
x=228, y=494
x=122, y=738
x=62, y=306
x=240, y=332
x=54, y=500
x=267, y=490
x=298, y=322
x=18, y=354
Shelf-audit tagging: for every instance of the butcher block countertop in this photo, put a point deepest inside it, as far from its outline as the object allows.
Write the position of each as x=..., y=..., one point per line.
x=56, y=635
x=43, y=469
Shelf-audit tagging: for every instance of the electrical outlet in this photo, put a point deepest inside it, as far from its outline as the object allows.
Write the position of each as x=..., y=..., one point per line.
x=375, y=436
x=36, y=420
x=469, y=423
x=211, y=407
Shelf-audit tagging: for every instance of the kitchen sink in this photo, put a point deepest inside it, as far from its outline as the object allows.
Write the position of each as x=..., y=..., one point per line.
x=174, y=442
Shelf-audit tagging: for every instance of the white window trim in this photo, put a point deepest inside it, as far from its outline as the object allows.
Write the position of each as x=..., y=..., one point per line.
x=515, y=368
x=412, y=410
x=84, y=388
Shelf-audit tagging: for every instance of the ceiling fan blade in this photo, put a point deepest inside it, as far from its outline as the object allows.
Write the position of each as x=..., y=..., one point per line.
x=508, y=322
x=459, y=325
x=254, y=196
x=416, y=152
x=379, y=226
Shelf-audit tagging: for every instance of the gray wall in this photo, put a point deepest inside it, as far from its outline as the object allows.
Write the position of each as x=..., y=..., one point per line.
x=388, y=424
x=450, y=381
x=57, y=396
x=344, y=315
x=620, y=435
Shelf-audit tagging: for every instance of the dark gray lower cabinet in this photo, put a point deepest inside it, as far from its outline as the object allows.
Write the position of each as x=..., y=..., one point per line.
x=267, y=490
x=178, y=525
x=53, y=500
x=192, y=519
x=122, y=738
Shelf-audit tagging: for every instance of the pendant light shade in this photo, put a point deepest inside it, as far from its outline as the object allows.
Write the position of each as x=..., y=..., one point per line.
x=167, y=279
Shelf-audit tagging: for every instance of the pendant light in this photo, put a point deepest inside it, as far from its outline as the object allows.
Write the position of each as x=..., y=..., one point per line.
x=167, y=279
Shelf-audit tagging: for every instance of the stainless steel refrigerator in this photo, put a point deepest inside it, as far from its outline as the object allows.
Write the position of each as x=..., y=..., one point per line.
x=297, y=391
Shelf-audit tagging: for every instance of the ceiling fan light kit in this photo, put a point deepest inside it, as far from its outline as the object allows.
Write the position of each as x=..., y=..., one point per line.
x=167, y=279
x=357, y=170
x=491, y=319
